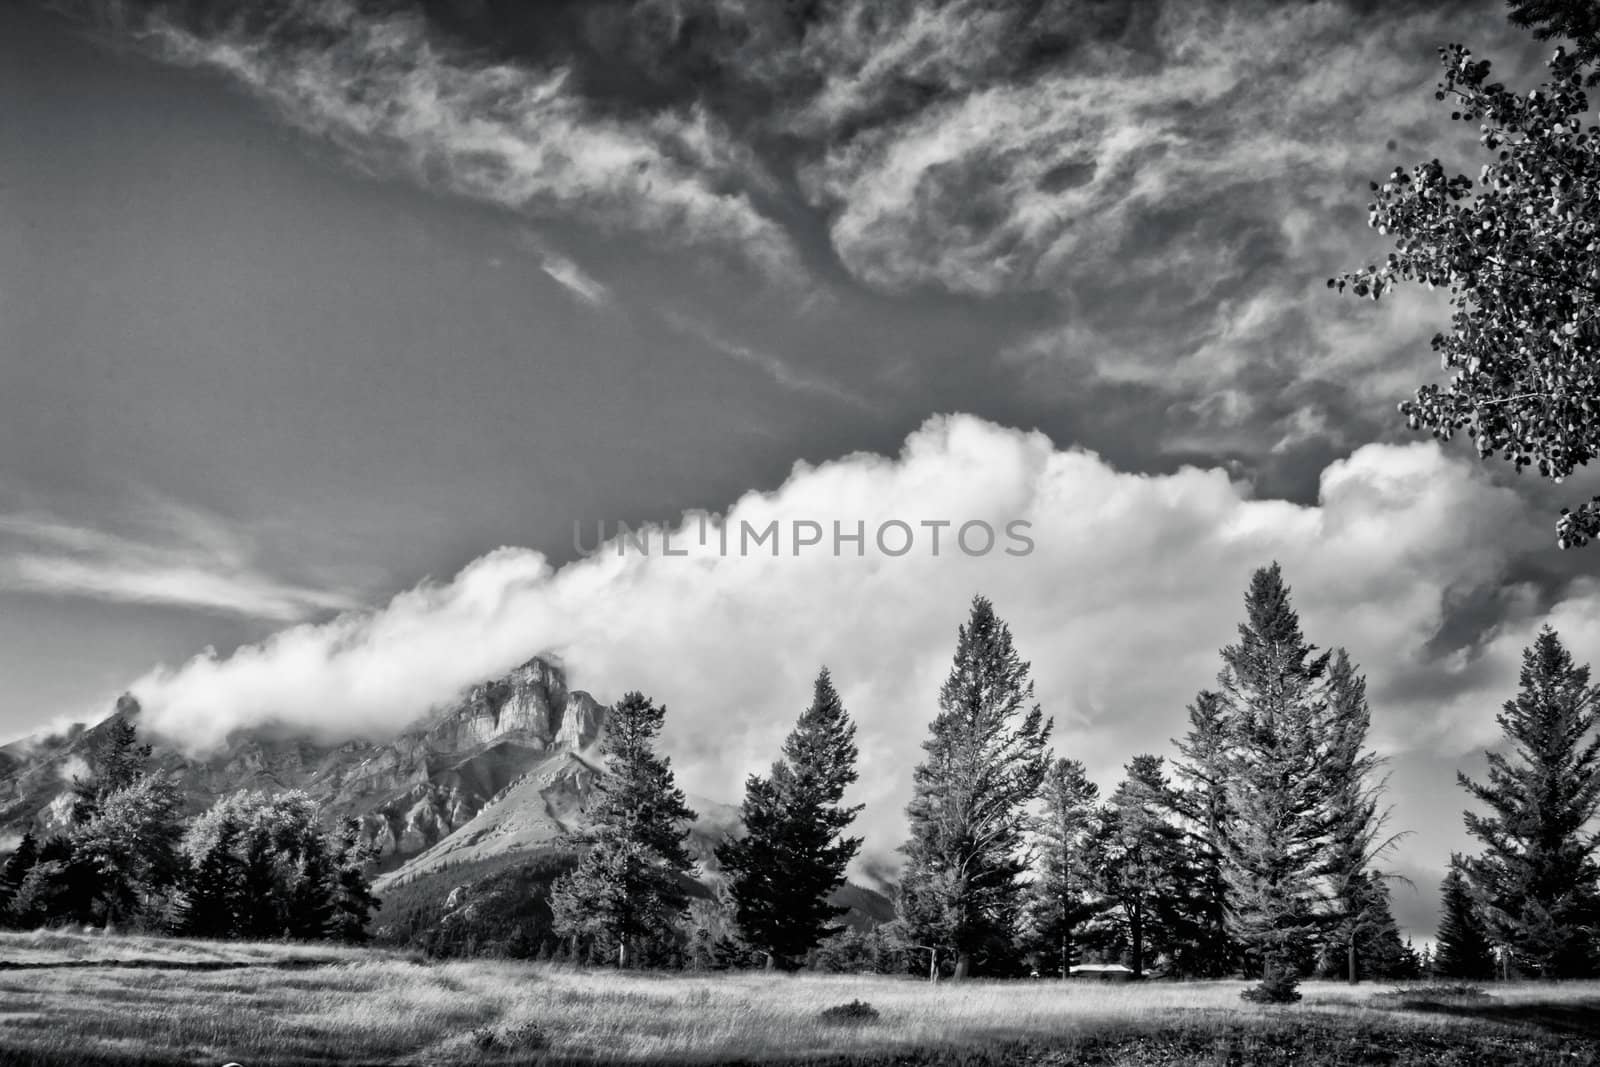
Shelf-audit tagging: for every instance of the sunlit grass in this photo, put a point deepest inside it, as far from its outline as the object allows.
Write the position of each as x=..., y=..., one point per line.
x=77, y=998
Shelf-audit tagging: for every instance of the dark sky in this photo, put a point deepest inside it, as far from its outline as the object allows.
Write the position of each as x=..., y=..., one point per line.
x=306, y=307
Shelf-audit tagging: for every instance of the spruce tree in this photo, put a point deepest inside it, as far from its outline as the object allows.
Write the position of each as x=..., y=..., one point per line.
x=1204, y=754
x=961, y=890
x=311, y=910
x=353, y=899
x=1464, y=950
x=16, y=868
x=261, y=908
x=1351, y=795
x=116, y=761
x=793, y=854
x=628, y=889
x=1274, y=847
x=1537, y=877
x=1142, y=866
x=214, y=890
x=1063, y=893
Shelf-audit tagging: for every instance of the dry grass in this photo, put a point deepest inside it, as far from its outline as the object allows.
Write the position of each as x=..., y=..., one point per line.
x=74, y=999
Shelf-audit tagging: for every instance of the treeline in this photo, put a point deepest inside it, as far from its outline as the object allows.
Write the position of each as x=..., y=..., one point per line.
x=253, y=866
x=1256, y=850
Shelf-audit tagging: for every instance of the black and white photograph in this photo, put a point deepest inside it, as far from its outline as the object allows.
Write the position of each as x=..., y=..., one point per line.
x=833, y=533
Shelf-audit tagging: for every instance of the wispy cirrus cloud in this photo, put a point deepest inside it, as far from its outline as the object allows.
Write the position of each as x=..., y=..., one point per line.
x=396, y=97
x=775, y=367
x=179, y=557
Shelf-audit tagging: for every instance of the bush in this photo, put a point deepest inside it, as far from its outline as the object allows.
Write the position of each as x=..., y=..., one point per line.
x=855, y=1012
x=522, y=1036
x=1276, y=988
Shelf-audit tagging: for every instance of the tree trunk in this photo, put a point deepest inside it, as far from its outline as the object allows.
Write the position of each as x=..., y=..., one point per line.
x=772, y=962
x=622, y=955
x=1136, y=935
x=1354, y=975
x=963, y=965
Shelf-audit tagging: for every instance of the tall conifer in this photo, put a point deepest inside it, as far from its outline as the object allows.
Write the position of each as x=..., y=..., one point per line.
x=1275, y=846
x=794, y=852
x=1537, y=877
x=961, y=890
x=628, y=889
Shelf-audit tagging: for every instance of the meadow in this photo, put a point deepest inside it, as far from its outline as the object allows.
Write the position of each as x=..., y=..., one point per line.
x=92, y=1000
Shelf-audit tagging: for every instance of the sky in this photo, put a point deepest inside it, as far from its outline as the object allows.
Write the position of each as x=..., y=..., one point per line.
x=325, y=327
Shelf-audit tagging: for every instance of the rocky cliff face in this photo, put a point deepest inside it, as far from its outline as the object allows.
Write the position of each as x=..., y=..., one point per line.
x=409, y=793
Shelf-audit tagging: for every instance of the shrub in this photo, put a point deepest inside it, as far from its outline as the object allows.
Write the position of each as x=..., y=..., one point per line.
x=521, y=1036
x=1277, y=988
x=855, y=1012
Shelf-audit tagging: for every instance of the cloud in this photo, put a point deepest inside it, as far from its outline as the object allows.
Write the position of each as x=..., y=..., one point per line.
x=181, y=557
x=1133, y=584
x=574, y=279
x=775, y=367
x=73, y=767
x=395, y=96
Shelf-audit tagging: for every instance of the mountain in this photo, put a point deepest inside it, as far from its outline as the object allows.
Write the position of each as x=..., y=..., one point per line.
x=409, y=793
x=493, y=778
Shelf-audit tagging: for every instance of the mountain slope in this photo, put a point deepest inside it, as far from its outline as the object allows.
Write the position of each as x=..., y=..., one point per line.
x=409, y=793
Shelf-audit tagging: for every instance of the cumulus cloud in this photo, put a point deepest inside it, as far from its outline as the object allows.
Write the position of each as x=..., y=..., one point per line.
x=1133, y=583
x=178, y=556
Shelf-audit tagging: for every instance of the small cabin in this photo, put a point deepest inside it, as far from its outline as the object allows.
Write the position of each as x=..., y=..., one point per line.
x=1105, y=972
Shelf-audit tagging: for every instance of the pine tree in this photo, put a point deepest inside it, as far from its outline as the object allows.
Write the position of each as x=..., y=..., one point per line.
x=1205, y=752
x=353, y=899
x=628, y=888
x=117, y=762
x=1063, y=893
x=213, y=892
x=986, y=759
x=1464, y=949
x=261, y=905
x=1359, y=906
x=793, y=854
x=1274, y=847
x=1142, y=868
x=1537, y=878
x=311, y=910
x=16, y=868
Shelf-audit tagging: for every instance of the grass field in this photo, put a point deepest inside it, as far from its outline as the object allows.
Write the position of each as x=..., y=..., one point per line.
x=67, y=998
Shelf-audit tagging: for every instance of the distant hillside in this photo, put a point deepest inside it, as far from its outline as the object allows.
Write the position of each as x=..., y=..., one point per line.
x=469, y=797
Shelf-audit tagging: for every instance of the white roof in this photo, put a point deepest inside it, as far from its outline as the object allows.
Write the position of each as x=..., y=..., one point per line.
x=1101, y=968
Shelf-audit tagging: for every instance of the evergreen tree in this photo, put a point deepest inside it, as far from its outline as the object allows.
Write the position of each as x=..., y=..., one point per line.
x=793, y=854
x=629, y=886
x=130, y=842
x=261, y=904
x=353, y=899
x=1204, y=754
x=1464, y=949
x=1359, y=904
x=117, y=761
x=16, y=868
x=1142, y=869
x=1063, y=893
x=1274, y=847
x=213, y=892
x=1537, y=878
x=986, y=759
x=311, y=911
